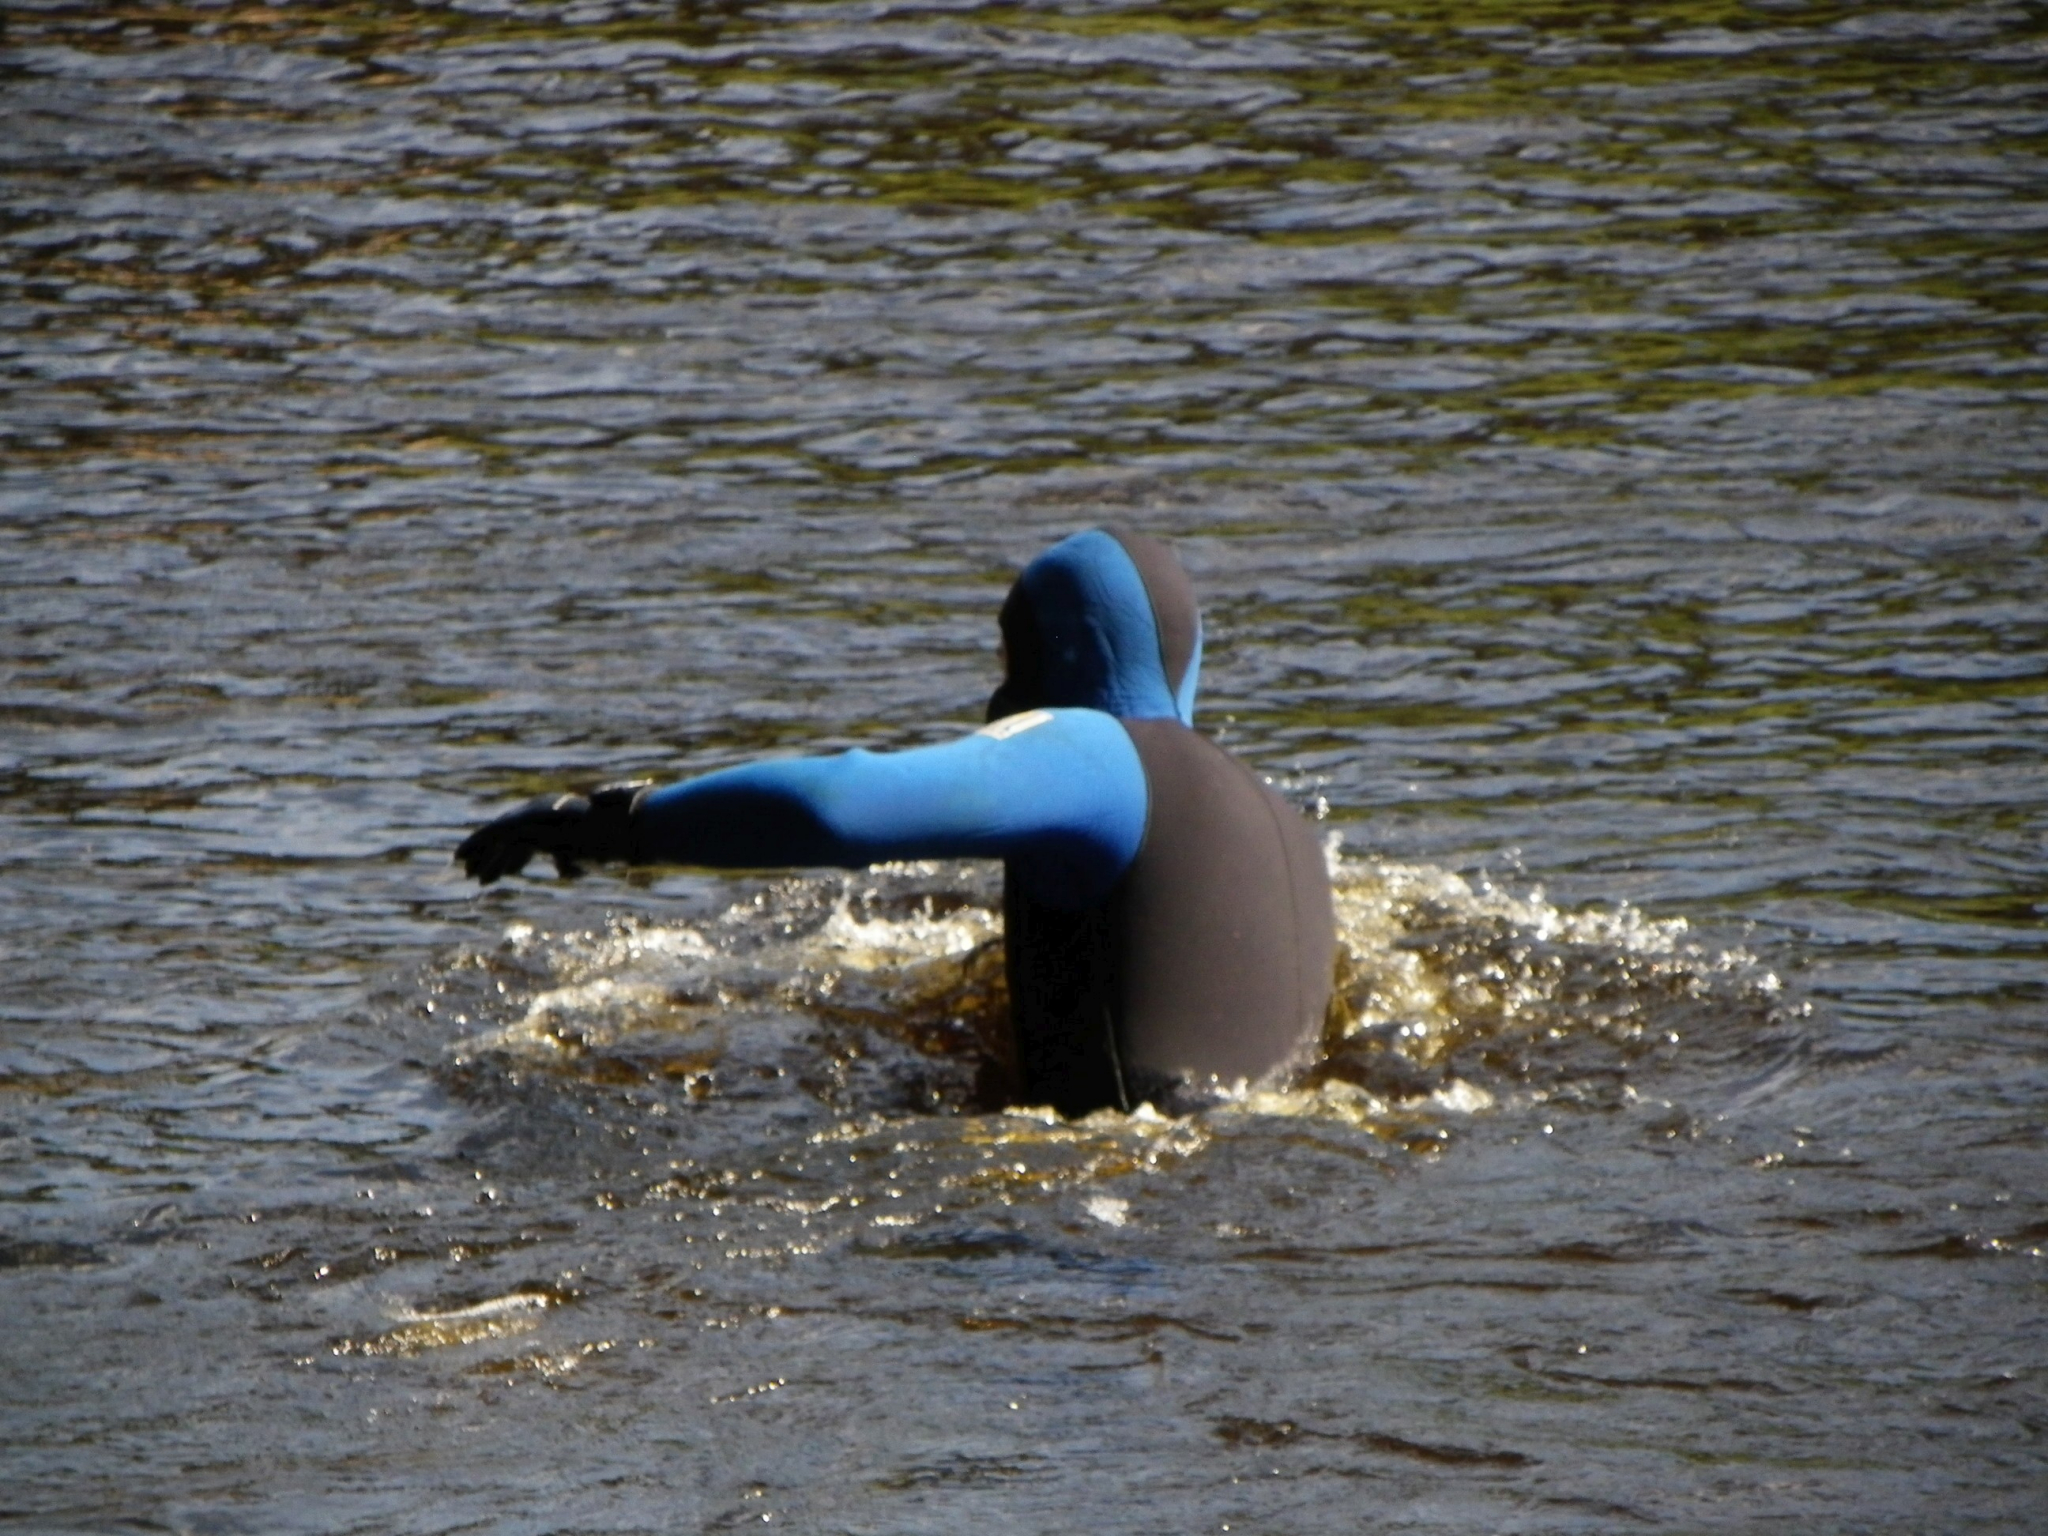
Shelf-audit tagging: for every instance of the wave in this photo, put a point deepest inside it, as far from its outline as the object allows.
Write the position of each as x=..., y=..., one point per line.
x=882, y=995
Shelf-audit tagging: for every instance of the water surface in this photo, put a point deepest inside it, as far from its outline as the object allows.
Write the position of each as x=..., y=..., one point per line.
x=1612, y=447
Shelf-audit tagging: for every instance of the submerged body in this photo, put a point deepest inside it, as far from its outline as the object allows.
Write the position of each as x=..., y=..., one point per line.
x=1167, y=917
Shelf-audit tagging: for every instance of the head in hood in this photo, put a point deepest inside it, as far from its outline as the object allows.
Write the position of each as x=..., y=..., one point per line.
x=1102, y=621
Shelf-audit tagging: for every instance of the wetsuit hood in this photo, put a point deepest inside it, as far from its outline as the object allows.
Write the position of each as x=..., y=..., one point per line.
x=1102, y=621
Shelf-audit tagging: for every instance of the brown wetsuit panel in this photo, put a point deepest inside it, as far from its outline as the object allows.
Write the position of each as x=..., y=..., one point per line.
x=1228, y=941
x=1212, y=957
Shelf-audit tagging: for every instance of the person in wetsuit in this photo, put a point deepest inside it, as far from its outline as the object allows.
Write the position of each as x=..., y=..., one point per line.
x=1167, y=917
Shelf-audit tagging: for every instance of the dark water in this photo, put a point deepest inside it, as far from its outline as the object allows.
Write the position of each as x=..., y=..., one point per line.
x=1612, y=443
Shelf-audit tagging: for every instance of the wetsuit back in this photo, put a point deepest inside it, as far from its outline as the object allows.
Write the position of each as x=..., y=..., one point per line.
x=1212, y=956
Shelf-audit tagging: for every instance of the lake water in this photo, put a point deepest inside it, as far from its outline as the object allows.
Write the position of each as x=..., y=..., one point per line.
x=1612, y=447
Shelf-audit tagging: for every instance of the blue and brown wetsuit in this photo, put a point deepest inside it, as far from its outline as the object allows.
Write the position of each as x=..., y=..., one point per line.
x=1166, y=916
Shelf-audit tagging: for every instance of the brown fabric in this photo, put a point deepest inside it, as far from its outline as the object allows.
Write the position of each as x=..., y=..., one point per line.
x=1212, y=958
x=1225, y=929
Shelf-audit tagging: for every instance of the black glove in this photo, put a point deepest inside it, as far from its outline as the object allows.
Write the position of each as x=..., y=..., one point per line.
x=569, y=829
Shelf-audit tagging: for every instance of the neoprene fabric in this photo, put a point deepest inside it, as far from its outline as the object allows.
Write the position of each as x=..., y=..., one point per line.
x=1166, y=916
x=1062, y=800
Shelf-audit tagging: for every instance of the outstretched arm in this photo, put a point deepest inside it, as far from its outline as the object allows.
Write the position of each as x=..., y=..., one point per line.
x=1059, y=793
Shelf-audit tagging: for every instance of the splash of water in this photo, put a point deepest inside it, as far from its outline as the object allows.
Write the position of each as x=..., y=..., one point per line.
x=883, y=993
x=1453, y=994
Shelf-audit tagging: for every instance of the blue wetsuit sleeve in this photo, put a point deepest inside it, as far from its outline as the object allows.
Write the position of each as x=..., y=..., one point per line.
x=1059, y=793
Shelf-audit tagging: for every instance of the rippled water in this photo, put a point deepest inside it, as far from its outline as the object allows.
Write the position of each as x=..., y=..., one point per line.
x=1611, y=445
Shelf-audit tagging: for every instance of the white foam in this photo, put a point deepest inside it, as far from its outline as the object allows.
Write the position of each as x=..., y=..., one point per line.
x=884, y=942
x=1108, y=1209
x=1461, y=1097
x=517, y=1303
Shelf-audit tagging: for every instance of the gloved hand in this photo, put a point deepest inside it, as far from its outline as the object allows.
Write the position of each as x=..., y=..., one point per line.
x=571, y=830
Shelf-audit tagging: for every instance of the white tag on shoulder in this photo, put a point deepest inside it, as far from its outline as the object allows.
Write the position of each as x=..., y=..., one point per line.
x=1015, y=725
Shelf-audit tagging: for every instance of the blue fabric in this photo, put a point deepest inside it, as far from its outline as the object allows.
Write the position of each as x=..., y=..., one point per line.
x=1059, y=793
x=1099, y=641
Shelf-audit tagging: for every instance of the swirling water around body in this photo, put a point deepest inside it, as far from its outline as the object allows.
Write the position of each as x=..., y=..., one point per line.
x=1610, y=445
